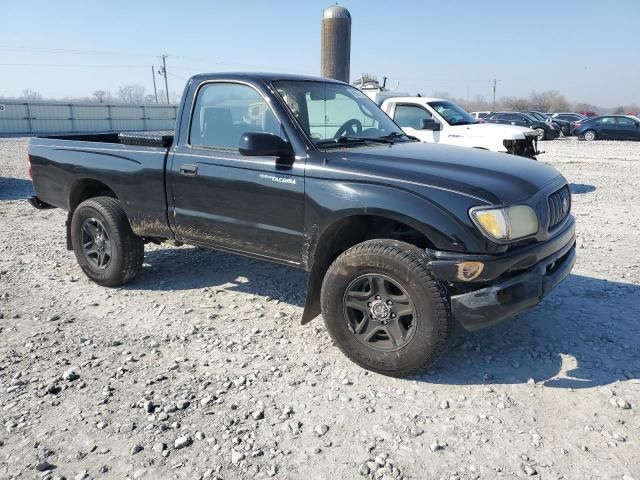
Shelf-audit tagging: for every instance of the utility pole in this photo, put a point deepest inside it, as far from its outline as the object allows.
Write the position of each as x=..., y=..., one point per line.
x=164, y=72
x=155, y=90
x=495, y=84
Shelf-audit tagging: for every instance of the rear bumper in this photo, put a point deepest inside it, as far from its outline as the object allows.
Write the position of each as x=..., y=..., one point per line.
x=490, y=305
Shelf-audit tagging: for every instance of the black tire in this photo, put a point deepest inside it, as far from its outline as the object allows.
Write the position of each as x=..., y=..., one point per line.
x=106, y=216
x=406, y=266
x=590, y=135
x=541, y=134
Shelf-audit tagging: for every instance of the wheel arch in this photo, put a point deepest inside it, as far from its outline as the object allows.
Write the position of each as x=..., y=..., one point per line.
x=86, y=188
x=351, y=229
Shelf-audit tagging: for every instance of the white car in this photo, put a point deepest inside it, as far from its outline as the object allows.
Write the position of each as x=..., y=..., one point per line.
x=435, y=120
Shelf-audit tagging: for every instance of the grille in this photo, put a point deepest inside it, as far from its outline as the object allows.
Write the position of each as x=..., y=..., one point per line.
x=559, y=206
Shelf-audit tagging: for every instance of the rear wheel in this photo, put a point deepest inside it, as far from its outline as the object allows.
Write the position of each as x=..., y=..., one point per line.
x=106, y=248
x=384, y=309
x=541, y=133
x=589, y=135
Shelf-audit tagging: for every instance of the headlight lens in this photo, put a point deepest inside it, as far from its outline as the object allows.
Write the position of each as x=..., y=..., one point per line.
x=507, y=223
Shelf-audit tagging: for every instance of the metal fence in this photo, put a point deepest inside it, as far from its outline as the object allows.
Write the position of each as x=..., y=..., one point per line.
x=30, y=118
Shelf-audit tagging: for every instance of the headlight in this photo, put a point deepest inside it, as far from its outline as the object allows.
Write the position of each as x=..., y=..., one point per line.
x=506, y=223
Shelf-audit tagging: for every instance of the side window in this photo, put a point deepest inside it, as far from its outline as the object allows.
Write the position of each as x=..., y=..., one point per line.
x=410, y=116
x=607, y=120
x=501, y=116
x=624, y=121
x=225, y=111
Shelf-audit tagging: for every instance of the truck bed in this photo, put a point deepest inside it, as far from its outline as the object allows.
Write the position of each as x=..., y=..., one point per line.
x=128, y=166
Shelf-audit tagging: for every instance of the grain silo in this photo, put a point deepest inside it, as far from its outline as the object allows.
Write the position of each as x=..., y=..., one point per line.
x=336, y=43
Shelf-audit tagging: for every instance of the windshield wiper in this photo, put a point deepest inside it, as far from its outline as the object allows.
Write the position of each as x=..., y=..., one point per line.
x=394, y=135
x=347, y=139
x=386, y=139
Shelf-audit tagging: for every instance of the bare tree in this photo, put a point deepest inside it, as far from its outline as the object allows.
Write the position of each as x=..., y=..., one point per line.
x=131, y=94
x=445, y=95
x=619, y=111
x=550, y=101
x=31, y=94
x=174, y=97
x=101, y=95
x=515, y=104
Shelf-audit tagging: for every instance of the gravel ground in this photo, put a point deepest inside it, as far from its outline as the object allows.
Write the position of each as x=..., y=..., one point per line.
x=200, y=369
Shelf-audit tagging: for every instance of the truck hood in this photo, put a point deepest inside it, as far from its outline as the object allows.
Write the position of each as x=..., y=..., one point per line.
x=492, y=130
x=493, y=177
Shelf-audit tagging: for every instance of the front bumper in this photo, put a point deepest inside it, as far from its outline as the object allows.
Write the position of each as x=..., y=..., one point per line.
x=515, y=281
x=490, y=305
x=527, y=147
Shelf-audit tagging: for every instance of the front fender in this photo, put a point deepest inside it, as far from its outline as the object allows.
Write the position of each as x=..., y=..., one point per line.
x=440, y=215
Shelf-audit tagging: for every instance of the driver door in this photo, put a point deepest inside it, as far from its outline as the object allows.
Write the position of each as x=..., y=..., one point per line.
x=410, y=118
x=251, y=205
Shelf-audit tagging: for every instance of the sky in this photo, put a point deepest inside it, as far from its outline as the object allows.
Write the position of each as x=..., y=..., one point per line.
x=587, y=49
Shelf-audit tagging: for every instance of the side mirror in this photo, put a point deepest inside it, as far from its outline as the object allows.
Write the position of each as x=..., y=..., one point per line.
x=429, y=124
x=260, y=144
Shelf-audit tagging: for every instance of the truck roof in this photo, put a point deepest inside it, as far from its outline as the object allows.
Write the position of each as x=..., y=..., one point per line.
x=414, y=98
x=261, y=76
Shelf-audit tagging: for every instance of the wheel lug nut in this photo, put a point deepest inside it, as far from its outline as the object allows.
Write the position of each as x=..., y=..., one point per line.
x=389, y=302
x=377, y=297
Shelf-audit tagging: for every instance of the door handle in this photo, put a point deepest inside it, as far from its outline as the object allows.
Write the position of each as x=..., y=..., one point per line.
x=188, y=169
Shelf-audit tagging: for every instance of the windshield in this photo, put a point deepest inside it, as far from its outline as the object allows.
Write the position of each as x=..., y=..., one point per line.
x=332, y=113
x=452, y=113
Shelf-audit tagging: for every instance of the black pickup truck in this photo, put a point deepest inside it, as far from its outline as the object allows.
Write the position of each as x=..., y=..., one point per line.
x=401, y=238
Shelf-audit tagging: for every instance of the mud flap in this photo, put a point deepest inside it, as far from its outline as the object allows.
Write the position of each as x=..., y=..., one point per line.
x=312, y=303
x=67, y=225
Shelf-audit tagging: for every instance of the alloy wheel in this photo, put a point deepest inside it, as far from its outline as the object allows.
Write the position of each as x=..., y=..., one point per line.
x=96, y=244
x=379, y=312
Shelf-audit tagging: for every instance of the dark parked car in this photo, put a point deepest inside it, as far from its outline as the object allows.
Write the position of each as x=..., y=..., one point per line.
x=569, y=117
x=545, y=131
x=400, y=238
x=562, y=125
x=612, y=127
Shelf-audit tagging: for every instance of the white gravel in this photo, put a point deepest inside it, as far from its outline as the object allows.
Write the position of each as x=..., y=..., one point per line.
x=200, y=369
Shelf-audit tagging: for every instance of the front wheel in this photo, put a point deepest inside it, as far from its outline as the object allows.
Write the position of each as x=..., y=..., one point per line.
x=589, y=135
x=384, y=309
x=106, y=248
x=541, y=133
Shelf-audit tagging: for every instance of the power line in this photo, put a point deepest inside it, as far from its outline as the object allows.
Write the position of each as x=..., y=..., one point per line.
x=73, y=51
x=69, y=65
